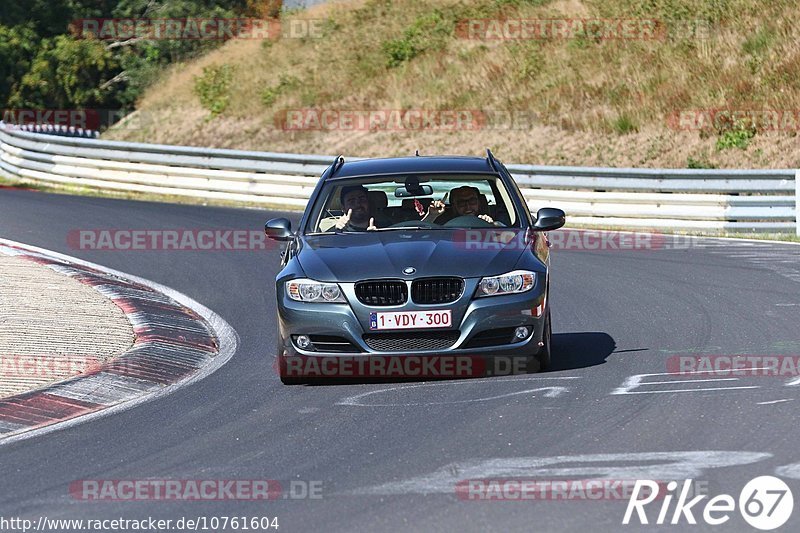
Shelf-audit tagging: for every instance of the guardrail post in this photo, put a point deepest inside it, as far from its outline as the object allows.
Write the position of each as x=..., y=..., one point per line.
x=797, y=201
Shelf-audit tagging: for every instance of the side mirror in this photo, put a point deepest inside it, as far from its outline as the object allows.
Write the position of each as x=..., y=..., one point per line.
x=549, y=219
x=278, y=229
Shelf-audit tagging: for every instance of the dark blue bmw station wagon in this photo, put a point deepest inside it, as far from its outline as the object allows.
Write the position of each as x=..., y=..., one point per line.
x=415, y=256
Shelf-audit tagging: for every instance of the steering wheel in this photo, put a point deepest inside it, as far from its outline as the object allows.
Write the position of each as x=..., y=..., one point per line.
x=412, y=224
x=469, y=221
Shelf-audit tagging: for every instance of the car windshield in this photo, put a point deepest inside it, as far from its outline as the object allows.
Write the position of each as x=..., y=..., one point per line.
x=413, y=201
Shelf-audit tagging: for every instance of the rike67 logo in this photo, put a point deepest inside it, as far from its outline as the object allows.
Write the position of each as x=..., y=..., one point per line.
x=765, y=503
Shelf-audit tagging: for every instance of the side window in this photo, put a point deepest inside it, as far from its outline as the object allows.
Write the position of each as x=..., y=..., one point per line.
x=488, y=193
x=487, y=199
x=504, y=210
x=330, y=212
x=334, y=207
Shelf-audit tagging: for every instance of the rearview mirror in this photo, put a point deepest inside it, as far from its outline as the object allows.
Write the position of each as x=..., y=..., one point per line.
x=549, y=219
x=278, y=229
x=408, y=191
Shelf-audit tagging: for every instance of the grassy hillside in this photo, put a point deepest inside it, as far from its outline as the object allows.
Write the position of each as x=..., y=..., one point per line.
x=587, y=100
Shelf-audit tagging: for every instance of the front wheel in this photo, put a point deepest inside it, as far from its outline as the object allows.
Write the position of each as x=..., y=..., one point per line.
x=286, y=377
x=544, y=352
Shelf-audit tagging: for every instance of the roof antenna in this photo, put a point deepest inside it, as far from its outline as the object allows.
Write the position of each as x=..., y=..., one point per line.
x=416, y=153
x=331, y=170
x=492, y=160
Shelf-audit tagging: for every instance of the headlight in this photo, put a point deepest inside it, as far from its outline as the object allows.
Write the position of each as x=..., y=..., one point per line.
x=308, y=290
x=511, y=283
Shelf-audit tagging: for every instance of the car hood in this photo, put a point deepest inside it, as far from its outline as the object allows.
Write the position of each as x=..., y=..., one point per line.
x=380, y=254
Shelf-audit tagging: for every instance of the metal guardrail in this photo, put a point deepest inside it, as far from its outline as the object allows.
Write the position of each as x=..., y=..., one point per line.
x=710, y=200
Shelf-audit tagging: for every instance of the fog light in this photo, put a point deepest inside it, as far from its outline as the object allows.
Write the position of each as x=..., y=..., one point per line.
x=303, y=342
x=521, y=333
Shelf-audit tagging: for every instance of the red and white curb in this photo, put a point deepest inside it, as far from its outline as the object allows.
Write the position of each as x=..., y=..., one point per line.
x=177, y=342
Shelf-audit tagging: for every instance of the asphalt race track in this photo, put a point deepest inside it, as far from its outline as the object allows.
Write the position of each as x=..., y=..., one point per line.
x=389, y=460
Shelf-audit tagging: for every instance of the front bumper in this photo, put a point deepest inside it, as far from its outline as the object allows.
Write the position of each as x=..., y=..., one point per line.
x=471, y=317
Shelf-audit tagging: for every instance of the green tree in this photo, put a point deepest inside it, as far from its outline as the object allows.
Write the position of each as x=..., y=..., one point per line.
x=18, y=47
x=45, y=62
x=68, y=73
x=49, y=18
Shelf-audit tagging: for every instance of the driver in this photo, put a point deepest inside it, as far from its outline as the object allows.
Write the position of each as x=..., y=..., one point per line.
x=355, y=203
x=463, y=202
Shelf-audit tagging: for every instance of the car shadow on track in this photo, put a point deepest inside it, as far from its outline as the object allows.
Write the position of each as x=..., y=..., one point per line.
x=569, y=351
x=580, y=350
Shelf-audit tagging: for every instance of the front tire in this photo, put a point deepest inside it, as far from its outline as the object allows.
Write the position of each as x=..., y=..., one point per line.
x=286, y=379
x=544, y=355
x=291, y=381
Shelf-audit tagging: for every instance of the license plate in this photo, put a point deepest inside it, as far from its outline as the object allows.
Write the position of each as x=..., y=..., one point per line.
x=411, y=320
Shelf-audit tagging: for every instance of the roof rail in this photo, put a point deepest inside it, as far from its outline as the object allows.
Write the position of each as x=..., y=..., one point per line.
x=416, y=153
x=492, y=161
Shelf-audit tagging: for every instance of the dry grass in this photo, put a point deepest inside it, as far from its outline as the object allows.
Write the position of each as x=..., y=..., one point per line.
x=596, y=102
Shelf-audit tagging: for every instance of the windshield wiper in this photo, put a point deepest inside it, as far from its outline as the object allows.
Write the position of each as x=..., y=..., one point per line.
x=350, y=232
x=405, y=228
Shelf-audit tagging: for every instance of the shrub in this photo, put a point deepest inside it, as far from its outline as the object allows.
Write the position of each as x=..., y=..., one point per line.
x=737, y=137
x=624, y=125
x=270, y=94
x=426, y=33
x=699, y=163
x=213, y=88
